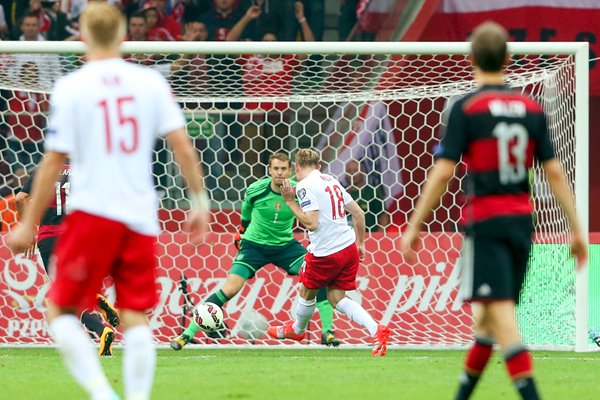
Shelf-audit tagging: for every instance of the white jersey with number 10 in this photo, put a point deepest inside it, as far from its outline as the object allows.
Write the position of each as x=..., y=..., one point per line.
x=324, y=193
x=106, y=117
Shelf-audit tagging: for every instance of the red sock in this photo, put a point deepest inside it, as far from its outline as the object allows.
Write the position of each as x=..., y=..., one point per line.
x=519, y=365
x=478, y=357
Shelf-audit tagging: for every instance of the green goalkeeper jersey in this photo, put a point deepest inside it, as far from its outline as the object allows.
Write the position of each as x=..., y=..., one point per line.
x=271, y=220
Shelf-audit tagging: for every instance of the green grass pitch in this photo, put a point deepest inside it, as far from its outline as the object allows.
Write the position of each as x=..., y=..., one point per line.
x=290, y=374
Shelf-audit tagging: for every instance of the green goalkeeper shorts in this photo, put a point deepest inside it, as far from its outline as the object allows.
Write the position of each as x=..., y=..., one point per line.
x=253, y=256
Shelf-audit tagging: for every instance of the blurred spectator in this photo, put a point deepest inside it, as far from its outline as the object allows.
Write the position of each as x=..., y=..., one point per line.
x=222, y=18
x=190, y=10
x=137, y=27
x=369, y=198
x=14, y=11
x=3, y=24
x=165, y=19
x=315, y=14
x=48, y=63
x=44, y=20
x=59, y=22
x=154, y=21
x=267, y=76
x=30, y=27
x=137, y=30
x=73, y=8
x=189, y=72
x=25, y=118
x=347, y=18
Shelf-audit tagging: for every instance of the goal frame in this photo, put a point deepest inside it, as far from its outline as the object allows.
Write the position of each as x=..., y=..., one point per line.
x=580, y=51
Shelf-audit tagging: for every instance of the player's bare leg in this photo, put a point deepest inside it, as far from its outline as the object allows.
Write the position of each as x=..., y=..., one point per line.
x=78, y=353
x=480, y=353
x=232, y=286
x=356, y=313
x=516, y=356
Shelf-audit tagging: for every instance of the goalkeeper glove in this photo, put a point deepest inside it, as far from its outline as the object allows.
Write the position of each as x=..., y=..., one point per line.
x=238, y=237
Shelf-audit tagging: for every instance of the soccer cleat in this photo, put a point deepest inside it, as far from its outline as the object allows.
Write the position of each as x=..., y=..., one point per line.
x=179, y=342
x=110, y=314
x=285, y=332
x=328, y=339
x=380, y=341
x=106, y=339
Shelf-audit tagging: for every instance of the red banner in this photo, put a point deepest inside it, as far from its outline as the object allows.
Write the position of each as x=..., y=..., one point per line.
x=420, y=302
x=524, y=24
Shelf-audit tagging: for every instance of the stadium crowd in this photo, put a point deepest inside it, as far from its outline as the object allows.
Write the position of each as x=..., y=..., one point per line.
x=167, y=19
x=24, y=111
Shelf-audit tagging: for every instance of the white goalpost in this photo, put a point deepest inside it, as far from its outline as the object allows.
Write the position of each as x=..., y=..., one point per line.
x=374, y=106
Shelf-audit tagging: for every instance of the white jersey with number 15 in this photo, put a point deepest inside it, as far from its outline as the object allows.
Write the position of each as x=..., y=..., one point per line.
x=106, y=117
x=324, y=193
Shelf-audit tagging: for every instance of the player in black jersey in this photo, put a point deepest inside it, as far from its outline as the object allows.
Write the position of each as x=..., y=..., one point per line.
x=48, y=232
x=497, y=132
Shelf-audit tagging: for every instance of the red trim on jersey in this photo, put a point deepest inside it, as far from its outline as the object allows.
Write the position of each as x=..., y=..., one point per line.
x=484, y=207
x=482, y=155
x=479, y=103
x=48, y=231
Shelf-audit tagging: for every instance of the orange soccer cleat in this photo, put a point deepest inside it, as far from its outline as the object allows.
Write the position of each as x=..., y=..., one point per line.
x=380, y=341
x=285, y=332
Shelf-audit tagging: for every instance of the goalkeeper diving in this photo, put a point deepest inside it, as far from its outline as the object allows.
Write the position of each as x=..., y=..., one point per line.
x=265, y=237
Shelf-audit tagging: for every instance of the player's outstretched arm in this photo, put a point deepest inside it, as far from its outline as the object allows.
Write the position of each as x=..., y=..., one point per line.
x=562, y=192
x=187, y=158
x=48, y=172
x=358, y=220
x=435, y=187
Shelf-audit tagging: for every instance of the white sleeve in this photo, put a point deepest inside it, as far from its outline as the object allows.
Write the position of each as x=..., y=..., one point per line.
x=170, y=116
x=60, y=133
x=307, y=198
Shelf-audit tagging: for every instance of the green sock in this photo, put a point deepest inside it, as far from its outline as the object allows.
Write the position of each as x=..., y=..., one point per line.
x=219, y=298
x=326, y=315
x=191, y=330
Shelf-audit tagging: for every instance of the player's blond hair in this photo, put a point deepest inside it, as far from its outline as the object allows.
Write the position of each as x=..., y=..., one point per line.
x=307, y=157
x=102, y=24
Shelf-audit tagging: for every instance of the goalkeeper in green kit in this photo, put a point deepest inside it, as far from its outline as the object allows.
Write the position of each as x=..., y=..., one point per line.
x=267, y=225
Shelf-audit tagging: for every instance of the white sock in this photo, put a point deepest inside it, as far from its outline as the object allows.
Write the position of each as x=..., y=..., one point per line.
x=139, y=362
x=356, y=313
x=304, y=312
x=80, y=357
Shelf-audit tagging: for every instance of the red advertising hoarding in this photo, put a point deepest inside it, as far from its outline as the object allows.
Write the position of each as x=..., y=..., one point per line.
x=420, y=302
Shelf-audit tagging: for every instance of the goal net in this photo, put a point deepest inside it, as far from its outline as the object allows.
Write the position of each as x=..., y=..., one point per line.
x=374, y=112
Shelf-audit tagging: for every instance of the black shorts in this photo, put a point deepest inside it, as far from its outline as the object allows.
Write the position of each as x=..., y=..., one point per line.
x=494, y=258
x=46, y=246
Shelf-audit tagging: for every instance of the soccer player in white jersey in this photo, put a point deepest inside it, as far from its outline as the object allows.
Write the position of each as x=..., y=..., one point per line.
x=105, y=117
x=334, y=252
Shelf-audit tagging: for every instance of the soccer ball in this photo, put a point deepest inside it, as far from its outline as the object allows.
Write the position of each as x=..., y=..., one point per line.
x=252, y=325
x=208, y=317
